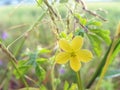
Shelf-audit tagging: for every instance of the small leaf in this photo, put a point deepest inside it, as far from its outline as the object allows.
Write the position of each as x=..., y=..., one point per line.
x=96, y=44
x=32, y=58
x=73, y=87
x=104, y=34
x=40, y=72
x=41, y=60
x=94, y=22
x=66, y=85
x=70, y=35
x=22, y=67
x=44, y=50
x=79, y=32
x=39, y=2
x=42, y=87
x=63, y=35
x=81, y=19
x=57, y=81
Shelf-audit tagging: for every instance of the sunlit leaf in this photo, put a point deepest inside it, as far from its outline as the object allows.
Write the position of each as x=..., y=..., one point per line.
x=73, y=87
x=44, y=50
x=104, y=34
x=39, y=2
x=41, y=60
x=63, y=35
x=66, y=85
x=81, y=19
x=42, y=87
x=96, y=44
x=94, y=22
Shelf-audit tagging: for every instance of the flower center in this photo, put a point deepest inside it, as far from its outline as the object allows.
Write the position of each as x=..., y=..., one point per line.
x=72, y=54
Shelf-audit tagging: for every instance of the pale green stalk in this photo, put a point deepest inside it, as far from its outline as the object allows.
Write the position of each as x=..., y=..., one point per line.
x=29, y=30
x=80, y=87
x=52, y=77
x=106, y=65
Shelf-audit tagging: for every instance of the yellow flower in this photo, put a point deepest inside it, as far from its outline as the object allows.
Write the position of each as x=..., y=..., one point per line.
x=72, y=52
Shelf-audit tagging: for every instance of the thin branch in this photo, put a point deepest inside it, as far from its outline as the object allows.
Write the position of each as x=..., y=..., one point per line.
x=52, y=14
x=9, y=54
x=50, y=8
x=17, y=26
x=84, y=7
x=85, y=28
x=25, y=34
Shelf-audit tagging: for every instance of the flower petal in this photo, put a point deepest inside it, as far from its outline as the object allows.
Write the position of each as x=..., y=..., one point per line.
x=64, y=45
x=84, y=55
x=75, y=63
x=77, y=43
x=62, y=58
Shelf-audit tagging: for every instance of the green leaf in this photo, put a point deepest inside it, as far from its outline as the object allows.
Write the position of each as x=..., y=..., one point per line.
x=104, y=34
x=79, y=32
x=22, y=67
x=44, y=51
x=32, y=58
x=57, y=81
x=73, y=87
x=40, y=72
x=69, y=36
x=94, y=22
x=63, y=35
x=66, y=85
x=82, y=20
x=39, y=2
x=96, y=44
x=42, y=87
x=41, y=60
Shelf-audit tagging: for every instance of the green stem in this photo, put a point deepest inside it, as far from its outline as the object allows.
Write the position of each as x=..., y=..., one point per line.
x=104, y=70
x=52, y=77
x=12, y=60
x=99, y=68
x=80, y=87
x=25, y=34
